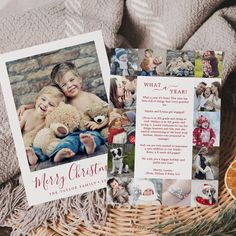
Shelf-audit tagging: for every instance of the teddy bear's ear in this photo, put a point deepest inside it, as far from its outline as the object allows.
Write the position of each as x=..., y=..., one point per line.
x=61, y=103
x=105, y=105
x=88, y=109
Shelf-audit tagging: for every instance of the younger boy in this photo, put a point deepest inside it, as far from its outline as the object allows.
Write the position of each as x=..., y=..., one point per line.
x=33, y=119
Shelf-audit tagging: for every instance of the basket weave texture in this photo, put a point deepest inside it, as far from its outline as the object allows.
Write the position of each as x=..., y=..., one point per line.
x=140, y=220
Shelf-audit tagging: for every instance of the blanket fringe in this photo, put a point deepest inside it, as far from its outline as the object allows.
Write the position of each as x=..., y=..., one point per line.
x=89, y=208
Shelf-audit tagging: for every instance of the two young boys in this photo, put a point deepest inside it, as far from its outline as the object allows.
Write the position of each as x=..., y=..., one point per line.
x=68, y=80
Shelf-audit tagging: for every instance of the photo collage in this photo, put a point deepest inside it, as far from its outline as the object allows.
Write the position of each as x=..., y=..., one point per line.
x=204, y=69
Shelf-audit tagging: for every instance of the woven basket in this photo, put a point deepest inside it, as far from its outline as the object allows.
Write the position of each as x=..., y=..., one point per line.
x=140, y=220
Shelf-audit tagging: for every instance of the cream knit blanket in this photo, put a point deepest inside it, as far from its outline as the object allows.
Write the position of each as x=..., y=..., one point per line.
x=182, y=24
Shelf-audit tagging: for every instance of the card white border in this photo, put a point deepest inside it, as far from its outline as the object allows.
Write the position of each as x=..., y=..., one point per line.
x=11, y=109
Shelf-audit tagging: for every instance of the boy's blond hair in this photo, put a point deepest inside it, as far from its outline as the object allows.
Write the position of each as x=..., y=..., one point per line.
x=61, y=69
x=149, y=51
x=52, y=90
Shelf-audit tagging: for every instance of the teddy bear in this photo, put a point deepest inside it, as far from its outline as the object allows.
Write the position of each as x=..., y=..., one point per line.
x=59, y=123
x=98, y=112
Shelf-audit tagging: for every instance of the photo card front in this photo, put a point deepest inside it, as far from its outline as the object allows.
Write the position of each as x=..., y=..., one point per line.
x=56, y=99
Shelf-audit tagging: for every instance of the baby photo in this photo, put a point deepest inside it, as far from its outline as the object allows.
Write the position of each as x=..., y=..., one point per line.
x=208, y=64
x=121, y=127
x=151, y=62
x=180, y=63
x=134, y=191
x=123, y=92
x=205, y=164
x=204, y=193
x=121, y=160
x=207, y=94
x=123, y=62
x=117, y=191
x=145, y=192
x=206, y=131
x=62, y=105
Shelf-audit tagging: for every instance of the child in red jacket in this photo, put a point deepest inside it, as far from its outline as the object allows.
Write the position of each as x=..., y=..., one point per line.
x=203, y=135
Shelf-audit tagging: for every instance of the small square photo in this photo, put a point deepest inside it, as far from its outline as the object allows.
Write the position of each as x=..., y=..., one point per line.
x=180, y=63
x=208, y=64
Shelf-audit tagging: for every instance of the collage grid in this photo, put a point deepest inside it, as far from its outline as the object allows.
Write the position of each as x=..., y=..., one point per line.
x=205, y=69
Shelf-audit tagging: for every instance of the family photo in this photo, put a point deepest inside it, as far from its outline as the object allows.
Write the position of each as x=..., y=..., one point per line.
x=207, y=95
x=62, y=105
x=180, y=63
x=123, y=92
x=121, y=128
x=208, y=64
x=205, y=164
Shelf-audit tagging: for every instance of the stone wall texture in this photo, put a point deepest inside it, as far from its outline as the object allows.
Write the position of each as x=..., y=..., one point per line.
x=28, y=75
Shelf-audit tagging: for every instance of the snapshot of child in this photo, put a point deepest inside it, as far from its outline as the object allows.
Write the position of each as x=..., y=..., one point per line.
x=203, y=168
x=33, y=119
x=210, y=64
x=121, y=65
x=118, y=192
x=67, y=80
x=180, y=66
x=149, y=64
x=203, y=135
x=148, y=193
x=121, y=127
x=116, y=133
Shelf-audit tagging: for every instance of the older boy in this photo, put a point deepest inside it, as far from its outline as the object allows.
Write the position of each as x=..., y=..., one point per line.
x=65, y=76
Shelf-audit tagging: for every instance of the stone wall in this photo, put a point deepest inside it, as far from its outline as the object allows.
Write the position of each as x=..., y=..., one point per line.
x=28, y=75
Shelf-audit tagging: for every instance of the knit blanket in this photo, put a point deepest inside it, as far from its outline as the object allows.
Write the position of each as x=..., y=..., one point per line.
x=184, y=24
x=48, y=22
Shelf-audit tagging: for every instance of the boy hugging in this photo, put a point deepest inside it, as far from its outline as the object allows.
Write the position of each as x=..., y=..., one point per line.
x=67, y=83
x=149, y=64
x=33, y=120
